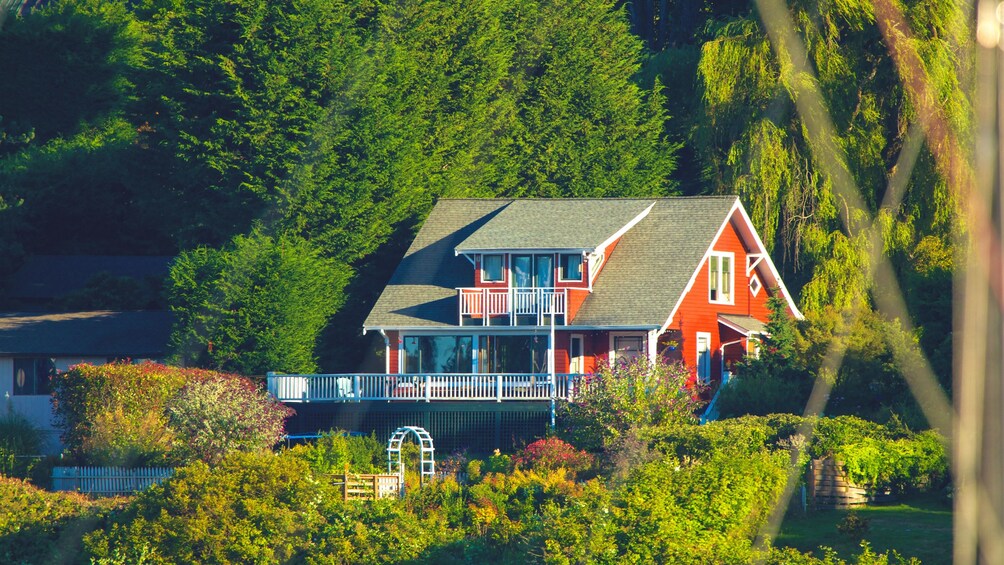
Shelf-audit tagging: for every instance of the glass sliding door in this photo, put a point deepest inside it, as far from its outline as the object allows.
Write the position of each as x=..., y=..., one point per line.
x=438, y=354
x=513, y=354
x=543, y=271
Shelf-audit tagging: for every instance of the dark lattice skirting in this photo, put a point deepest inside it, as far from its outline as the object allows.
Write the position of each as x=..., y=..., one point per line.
x=479, y=427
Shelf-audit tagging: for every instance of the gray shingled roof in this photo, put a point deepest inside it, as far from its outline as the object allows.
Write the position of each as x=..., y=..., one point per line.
x=99, y=333
x=649, y=270
x=639, y=285
x=748, y=323
x=423, y=289
x=567, y=223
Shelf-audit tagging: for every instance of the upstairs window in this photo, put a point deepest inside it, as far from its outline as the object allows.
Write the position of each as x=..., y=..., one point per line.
x=720, y=276
x=491, y=268
x=32, y=375
x=570, y=268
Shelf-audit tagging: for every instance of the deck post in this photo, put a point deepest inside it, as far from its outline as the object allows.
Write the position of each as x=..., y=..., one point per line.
x=498, y=388
x=428, y=388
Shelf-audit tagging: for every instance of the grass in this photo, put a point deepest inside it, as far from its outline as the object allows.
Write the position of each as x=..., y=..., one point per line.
x=919, y=526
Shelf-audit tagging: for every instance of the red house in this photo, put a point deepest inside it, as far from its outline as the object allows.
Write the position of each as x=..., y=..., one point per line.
x=486, y=284
x=499, y=305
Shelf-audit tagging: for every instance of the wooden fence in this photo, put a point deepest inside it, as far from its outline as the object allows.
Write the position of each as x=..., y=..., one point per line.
x=829, y=487
x=368, y=487
x=108, y=481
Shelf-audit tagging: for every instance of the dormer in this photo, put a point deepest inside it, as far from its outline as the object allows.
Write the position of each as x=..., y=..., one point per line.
x=539, y=258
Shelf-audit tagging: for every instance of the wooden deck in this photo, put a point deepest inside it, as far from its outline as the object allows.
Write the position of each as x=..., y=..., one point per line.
x=421, y=388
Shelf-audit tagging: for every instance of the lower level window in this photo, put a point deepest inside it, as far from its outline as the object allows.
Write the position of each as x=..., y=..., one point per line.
x=628, y=348
x=513, y=354
x=438, y=354
x=32, y=375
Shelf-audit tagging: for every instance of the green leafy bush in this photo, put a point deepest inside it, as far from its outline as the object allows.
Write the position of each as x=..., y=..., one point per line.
x=87, y=394
x=338, y=452
x=43, y=527
x=912, y=463
x=151, y=414
x=20, y=442
x=259, y=508
x=648, y=398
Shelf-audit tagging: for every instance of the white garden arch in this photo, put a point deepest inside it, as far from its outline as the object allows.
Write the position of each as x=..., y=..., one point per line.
x=394, y=464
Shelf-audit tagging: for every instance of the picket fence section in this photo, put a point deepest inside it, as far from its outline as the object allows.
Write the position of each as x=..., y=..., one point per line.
x=108, y=481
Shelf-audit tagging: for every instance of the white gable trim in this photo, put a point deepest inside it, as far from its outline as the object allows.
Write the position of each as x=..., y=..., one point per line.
x=627, y=226
x=758, y=245
x=770, y=263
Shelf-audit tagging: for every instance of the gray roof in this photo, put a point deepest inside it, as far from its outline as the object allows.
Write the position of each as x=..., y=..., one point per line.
x=639, y=285
x=423, y=289
x=53, y=276
x=748, y=324
x=649, y=270
x=99, y=333
x=566, y=223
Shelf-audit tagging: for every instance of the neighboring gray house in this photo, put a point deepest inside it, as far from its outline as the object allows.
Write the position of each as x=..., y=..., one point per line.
x=34, y=345
x=39, y=338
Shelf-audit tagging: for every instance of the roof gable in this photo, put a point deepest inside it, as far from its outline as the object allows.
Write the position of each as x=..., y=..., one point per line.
x=651, y=267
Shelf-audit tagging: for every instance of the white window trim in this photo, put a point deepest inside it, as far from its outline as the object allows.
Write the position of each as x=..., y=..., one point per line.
x=612, y=353
x=484, y=278
x=732, y=276
x=697, y=357
x=582, y=352
x=582, y=263
x=759, y=285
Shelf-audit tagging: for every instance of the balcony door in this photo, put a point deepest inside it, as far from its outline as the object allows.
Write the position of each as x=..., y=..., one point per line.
x=532, y=271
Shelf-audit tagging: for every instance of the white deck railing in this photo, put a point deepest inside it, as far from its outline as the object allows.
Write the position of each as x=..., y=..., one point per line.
x=420, y=388
x=483, y=304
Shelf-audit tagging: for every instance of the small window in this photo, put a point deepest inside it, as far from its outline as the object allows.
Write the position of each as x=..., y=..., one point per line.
x=491, y=268
x=32, y=375
x=571, y=267
x=755, y=285
x=720, y=278
x=628, y=348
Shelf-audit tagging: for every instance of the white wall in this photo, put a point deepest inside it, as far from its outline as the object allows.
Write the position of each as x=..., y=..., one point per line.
x=38, y=409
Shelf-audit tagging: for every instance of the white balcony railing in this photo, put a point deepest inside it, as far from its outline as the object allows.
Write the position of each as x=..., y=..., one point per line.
x=420, y=388
x=512, y=306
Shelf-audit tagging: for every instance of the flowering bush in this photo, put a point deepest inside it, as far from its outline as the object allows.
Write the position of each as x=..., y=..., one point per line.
x=646, y=398
x=215, y=416
x=124, y=414
x=553, y=453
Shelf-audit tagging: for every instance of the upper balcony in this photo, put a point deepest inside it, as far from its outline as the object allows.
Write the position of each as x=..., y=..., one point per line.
x=513, y=306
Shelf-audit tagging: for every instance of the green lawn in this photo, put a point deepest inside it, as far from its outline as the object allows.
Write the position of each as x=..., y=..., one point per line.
x=919, y=526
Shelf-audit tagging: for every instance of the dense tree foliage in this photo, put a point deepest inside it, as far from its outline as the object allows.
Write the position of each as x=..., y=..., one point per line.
x=166, y=125
x=186, y=123
x=254, y=306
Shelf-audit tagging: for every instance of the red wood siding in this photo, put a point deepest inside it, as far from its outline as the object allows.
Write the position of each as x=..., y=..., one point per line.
x=698, y=314
x=393, y=339
x=504, y=283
